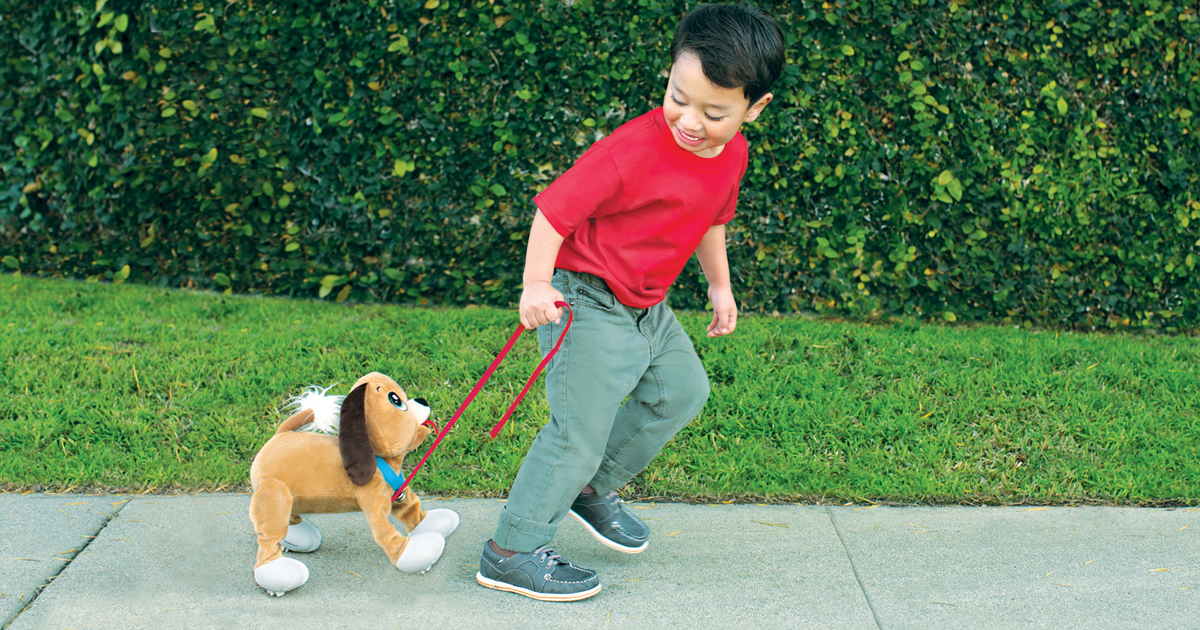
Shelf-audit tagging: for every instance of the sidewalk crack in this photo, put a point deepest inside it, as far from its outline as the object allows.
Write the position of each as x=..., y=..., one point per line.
x=861, y=586
x=91, y=538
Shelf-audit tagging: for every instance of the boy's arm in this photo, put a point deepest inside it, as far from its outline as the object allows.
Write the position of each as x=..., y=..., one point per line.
x=715, y=264
x=538, y=297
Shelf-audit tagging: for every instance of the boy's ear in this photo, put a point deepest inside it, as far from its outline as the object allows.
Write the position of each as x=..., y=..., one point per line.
x=758, y=107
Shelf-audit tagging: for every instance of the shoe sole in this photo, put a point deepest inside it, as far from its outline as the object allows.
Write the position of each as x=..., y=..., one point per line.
x=545, y=597
x=605, y=541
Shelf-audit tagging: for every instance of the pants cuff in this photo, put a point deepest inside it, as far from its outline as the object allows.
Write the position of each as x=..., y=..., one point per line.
x=522, y=535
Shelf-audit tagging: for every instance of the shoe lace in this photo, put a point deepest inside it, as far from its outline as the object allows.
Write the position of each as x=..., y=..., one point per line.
x=613, y=502
x=547, y=556
x=614, y=505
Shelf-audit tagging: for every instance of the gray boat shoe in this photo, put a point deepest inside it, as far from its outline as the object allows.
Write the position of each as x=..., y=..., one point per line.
x=610, y=522
x=540, y=574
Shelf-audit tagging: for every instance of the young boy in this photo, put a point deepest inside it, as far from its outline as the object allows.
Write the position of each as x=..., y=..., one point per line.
x=609, y=237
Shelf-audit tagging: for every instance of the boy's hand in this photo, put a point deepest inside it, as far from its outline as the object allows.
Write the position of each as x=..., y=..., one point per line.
x=537, y=304
x=724, y=312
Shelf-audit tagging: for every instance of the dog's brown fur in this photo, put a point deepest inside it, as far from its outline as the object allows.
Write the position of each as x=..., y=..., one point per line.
x=312, y=473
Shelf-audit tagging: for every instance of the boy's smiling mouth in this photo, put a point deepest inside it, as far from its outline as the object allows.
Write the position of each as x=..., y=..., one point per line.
x=688, y=138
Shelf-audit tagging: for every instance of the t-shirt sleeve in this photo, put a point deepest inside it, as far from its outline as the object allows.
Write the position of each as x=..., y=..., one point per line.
x=727, y=212
x=590, y=188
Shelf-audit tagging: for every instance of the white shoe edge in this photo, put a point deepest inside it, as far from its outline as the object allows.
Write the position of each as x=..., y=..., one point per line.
x=439, y=521
x=281, y=575
x=604, y=541
x=422, y=551
x=303, y=537
x=544, y=597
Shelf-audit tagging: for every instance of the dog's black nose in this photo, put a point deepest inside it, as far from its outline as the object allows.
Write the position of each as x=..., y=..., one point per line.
x=421, y=401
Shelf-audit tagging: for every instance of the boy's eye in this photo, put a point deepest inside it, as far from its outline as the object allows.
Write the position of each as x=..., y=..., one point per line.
x=712, y=118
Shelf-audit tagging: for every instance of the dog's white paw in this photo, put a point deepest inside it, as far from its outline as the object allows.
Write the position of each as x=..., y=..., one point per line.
x=302, y=537
x=439, y=521
x=422, y=551
x=281, y=575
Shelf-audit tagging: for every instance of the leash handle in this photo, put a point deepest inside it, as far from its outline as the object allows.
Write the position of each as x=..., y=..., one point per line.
x=484, y=379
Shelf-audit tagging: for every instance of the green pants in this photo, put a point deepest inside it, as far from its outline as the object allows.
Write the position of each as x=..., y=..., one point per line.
x=624, y=382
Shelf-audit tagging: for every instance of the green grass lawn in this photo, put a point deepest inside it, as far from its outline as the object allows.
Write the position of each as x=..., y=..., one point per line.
x=135, y=388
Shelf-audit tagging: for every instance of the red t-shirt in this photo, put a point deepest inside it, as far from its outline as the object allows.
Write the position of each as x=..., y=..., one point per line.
x=635, y=205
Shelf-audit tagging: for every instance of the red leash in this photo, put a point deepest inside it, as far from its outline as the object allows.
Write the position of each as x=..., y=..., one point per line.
x=484, y=379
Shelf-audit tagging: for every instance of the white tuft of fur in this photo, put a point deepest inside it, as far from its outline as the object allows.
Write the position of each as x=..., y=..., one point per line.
x=326, y=409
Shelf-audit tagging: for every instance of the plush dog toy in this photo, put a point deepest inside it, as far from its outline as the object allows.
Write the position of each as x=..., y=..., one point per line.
x=305, y=469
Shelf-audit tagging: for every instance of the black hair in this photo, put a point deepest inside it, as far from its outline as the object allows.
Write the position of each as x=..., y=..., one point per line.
x=738, y=46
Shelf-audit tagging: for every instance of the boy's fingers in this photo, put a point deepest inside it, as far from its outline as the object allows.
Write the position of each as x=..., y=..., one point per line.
x=558, y=310
x=532, y=319
x=722, y=324
x=540, y=317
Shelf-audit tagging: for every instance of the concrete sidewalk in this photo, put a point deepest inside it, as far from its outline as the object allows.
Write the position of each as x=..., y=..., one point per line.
x=186, y=562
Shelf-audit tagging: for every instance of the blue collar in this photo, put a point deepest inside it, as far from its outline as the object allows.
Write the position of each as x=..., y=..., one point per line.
x=394, y=480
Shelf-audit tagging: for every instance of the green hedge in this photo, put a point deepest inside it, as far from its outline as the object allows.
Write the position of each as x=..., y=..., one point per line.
x=1017, y=162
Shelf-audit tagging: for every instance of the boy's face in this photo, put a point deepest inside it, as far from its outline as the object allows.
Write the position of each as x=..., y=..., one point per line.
x=703, y=116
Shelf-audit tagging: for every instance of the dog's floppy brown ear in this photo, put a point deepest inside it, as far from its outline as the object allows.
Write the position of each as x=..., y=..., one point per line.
x=353, y=440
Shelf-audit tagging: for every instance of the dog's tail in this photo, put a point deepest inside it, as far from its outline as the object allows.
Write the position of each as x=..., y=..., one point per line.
x=326, y=410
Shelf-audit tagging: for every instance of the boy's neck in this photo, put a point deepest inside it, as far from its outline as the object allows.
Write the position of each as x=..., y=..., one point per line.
x=712, y=152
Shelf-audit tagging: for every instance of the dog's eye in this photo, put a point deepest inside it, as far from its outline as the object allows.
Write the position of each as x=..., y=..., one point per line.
x=396, y=402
